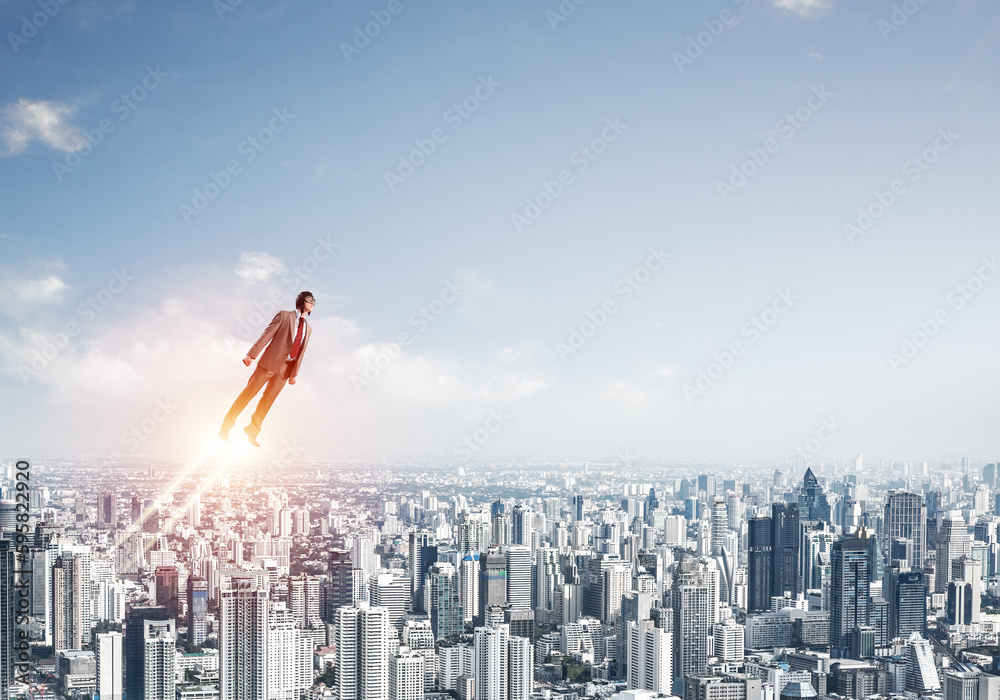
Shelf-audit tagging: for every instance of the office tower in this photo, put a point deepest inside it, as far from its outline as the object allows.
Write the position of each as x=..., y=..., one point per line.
x=363, y=637
x=906, y=517
x=876, y=565
x=303, y=601
x=502, y=530
x=197, y=609
x=674, y=529
x=110, y=659
x=617, y=581
x=67, y=602
x=650, y=657
x=906, y=593
x=706, y=484
x=135, y=648
x=468, y=589
x=393, y=594
x=690, y=600
x=518, y=560
x=785, y=549
x=760, y=562
x=729, y=640
x=442, y=591
x=167, y=588
x=521, y=519
x=422, y=553
x=964, y=591
x=194, y=510
x=578, y=505
x=720, y=525
x=490, y=665
x=7, y=617
x=289, y=655
x=813, y=504
x=135, y=509
x=520, y=668
x=817, y=539
x=492, y=582
x=921, y=674
x=849, y=593
x=953, y=542
x=159, y=641
x=406, y=675
x=107, y=510
x=548, y=577
x=340, y=584
x=243, y=637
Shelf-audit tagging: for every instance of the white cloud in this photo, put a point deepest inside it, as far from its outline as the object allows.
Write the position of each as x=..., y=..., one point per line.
x=802, y=7
x=22, y=293
x=26, y=121
x=259, y=267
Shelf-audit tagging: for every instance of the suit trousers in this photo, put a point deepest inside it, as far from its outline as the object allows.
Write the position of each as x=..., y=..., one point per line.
x=275, y=381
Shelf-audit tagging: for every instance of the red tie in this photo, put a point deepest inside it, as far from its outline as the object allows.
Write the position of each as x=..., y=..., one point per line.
x=294, y=354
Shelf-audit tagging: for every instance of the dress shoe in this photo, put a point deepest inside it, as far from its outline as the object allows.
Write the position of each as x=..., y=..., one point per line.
x=251, y=436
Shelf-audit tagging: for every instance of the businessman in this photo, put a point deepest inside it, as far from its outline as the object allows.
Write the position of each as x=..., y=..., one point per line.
x=285, y=338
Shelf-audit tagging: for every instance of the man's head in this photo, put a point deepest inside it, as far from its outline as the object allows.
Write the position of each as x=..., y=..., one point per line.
x=305, y=302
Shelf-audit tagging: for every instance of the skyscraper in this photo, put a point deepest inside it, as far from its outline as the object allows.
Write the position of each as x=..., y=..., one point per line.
x=422, y=553
x=362, y=669
x=197, y=609
x=520, y=668
x=518, y=576
x=953, y=542
x=490, y=665
x=492, y=582
x=166, y=588
x=159, y=641
x=340, y=585
x=243, y=637
x=650, y=657
x=109, y=654
x=135, y=647
x=785, y=549
x=906, y=593
x=849, y=593
x=303, y=600
x=759, y=564
x=906, y=517
x=442, y=591
x=107, y=510
x=67, y=602
x=393, y=594
x=289, y=655
x=406, y=675
x=813, y=504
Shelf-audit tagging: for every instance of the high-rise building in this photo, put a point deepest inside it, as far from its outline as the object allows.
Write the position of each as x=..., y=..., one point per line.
x=964, y=591
x=520, y=668
x=107, y=510
x=303, y=601
x=167, y=588
x=921, y=673
x=159, y=641
x=67, y=602
x=110, y=659
x=197, y=609
x=953, y=542
x=849, y=593
x=393, y=594
x=363, y=637
x=7, y=598
x=289, y=655
x=906, y=593
x=340, y=583
x=243, y=637
x=468, y=589
x=135, y=647
x=813, y=504
x=650, y=657
x=442, y=591
x=691, y=602
x=785, y=549
x=760, y=562
x=906, y=518
x=492, y=582
x=720, y=525
x=406, y=675
x=422, y=553
x=490, y=665
x=519, y=581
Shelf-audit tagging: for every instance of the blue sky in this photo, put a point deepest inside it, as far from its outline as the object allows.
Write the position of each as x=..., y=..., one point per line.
x=875, y=90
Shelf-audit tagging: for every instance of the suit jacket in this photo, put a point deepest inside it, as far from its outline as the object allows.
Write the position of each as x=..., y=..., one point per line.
x=279, y=337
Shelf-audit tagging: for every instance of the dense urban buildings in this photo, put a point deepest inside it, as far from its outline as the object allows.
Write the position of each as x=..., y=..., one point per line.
x=564, y=580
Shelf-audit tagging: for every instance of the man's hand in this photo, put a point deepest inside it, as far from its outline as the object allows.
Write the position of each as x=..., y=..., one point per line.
x=247, y=360
x=291, y=380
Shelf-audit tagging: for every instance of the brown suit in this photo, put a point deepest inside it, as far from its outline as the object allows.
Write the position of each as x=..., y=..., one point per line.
x=273, y=368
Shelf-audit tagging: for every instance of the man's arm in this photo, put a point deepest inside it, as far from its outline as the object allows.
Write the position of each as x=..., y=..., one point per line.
x=264, y=339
